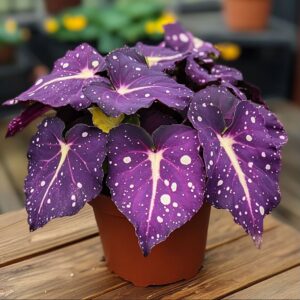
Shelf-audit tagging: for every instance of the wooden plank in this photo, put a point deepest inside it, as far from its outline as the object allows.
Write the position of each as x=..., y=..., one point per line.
x=227, y=268
x=9, y=199
x=72, y=272
x=282, y=286
x=17, y=242
x=222, y=228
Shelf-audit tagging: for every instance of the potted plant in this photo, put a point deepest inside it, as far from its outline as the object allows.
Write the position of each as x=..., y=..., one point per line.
x=151, y=136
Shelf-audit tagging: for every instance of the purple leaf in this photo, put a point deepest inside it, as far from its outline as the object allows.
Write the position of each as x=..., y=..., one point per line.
x=274, y=127
x=134, y=86
x=226, y=102
x=183, y=41
x=242, y=163
x=251, y=92
x=64, y=84
x=218, y=74
x=64, y=174
x=31, y=113
x=157, y=184
x=203, y=76
x=157, y=115
x=220, y=97
x=158, y=57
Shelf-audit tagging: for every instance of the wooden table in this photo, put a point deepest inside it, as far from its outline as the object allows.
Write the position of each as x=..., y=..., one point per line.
x=64, y=260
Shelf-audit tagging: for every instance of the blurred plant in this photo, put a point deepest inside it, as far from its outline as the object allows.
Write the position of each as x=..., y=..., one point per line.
x=111, y=25
x=10, y=33
x=229, y=51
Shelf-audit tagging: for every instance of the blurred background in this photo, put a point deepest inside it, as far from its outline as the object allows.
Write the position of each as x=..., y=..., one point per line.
x=259, y=37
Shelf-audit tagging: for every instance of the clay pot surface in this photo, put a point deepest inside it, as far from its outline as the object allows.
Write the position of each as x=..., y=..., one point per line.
x=177, y=258
x=56, y=6
x=7, y=54
x=247, y=15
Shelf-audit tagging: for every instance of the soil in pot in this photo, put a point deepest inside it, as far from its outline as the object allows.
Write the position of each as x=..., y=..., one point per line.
x=179, y=257
x=247, y=15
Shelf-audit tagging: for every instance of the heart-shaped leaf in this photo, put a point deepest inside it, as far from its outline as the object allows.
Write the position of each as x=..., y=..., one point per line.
x=134, y=86
x=26, y=117
x=63, y=174
x=157, y=183
x=64, y=84
x=226, y=101
x=242, y=163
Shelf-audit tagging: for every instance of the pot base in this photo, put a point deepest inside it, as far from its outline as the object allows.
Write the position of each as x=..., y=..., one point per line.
x=177, y=258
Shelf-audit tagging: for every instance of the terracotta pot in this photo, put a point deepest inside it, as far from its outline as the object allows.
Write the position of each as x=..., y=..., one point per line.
x=56, y=6
x=7, y=54
x=179, y=257
x=247, y=15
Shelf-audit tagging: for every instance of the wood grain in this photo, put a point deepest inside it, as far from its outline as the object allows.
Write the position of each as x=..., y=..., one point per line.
x=227, y=268
x=72, y=272
x=282, y=286
x=75, y=271
x=17, y=242
x=70, y=229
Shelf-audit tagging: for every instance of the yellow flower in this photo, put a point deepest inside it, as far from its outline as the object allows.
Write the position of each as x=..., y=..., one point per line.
x=51, y=25
x=75, y=23
x=150, y=27
x=157, y=26
x=229, y=51
x=104, y=122
x=10, y=25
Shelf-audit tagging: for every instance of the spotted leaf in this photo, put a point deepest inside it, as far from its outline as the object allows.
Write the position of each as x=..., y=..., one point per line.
x=26, y=117
x=178, y=39
x=158, y=57
x=242, y=163
x=202, y=76
x=220, y=97
x=64, y=173
x=274, y=127
x=218, y=74
x=157, y=183
x=134, y=86
x=64, y=84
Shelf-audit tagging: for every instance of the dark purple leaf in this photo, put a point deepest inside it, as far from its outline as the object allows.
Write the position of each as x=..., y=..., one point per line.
x=158, y=57
x=64, y=84
x=134, y=86
x=157, y=115
x=183, y=41
x=242, y=163
x=157, y=184
x=64, y=174
x=251, y=92
x=218, y=74
x=203, y=76
x=26, y=117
